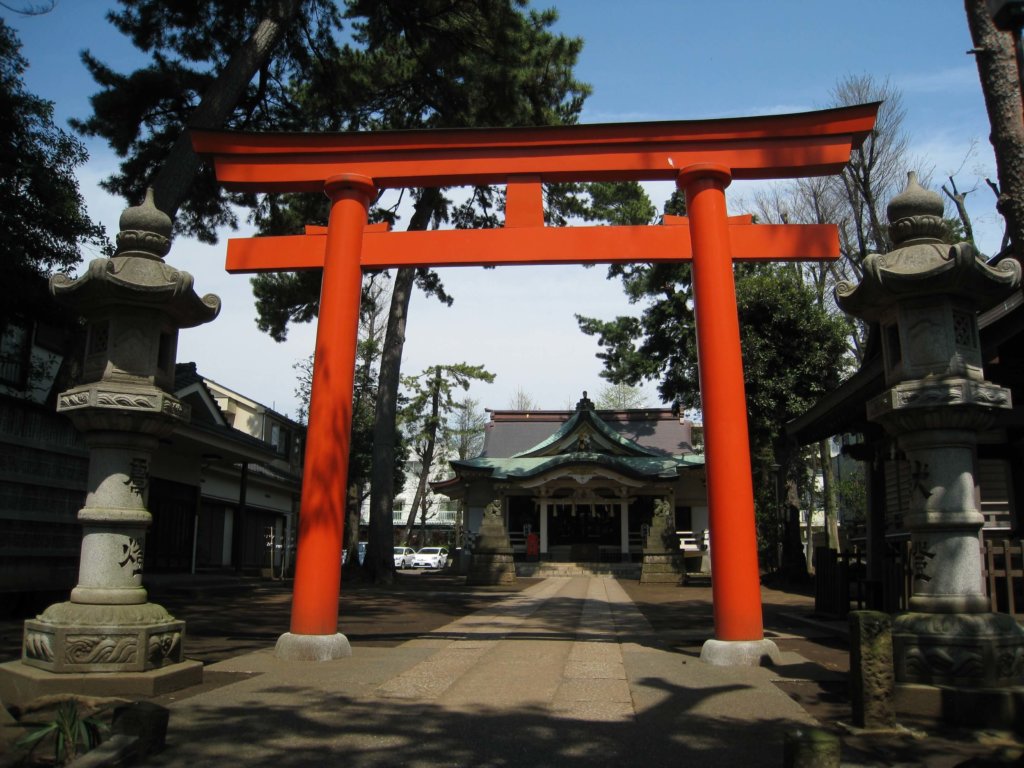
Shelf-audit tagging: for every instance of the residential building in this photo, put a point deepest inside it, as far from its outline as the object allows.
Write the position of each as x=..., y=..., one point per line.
x=223, y=488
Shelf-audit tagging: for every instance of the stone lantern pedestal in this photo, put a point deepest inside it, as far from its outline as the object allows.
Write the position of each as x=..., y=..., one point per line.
x=492, y=562
x=662, y=559
x=108, y=638
x=925, y=296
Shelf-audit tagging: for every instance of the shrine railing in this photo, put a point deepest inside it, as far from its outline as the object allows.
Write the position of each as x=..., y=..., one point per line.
x=841, y=584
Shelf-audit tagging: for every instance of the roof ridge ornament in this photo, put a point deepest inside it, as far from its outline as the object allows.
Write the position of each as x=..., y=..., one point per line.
x=585, y=403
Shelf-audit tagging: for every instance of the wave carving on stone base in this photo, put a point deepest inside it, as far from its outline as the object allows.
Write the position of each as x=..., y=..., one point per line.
x=97, y=649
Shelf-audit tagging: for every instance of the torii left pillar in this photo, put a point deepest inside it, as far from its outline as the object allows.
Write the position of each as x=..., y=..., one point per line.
x=314, y=634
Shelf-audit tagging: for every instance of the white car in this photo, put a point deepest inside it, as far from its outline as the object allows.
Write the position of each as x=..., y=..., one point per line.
x=431, y=557
x=404, y=557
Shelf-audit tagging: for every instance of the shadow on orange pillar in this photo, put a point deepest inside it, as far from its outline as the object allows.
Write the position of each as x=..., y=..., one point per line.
x=325, y=475
x=736, y=585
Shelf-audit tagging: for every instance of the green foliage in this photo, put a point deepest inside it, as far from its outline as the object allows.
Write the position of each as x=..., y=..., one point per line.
x=619, y=203
x=431, y=397
x=434, y=64
x=620, y=397
x=142, y=113
x=794, y=351
x=427, y=415
x=660, y=343
x=43, y=220
x=465, y=430
x=852, y=492
x=69, y=731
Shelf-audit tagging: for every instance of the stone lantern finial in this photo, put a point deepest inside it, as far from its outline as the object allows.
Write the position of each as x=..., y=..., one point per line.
x=915, y=214
x=145, y=230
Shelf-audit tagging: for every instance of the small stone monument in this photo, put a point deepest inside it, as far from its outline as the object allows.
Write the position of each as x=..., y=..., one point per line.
x=134, y=303
x=925, y=295
x=662, y=558
x=872, y=687
x=491, y=561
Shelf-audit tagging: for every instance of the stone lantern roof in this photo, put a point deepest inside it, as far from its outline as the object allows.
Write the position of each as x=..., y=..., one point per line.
x=136, y=275
x=921, y=264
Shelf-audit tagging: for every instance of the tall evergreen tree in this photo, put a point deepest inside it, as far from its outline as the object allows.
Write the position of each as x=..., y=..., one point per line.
x=43, y=220
x=426, y=416
x=434, y=64
x=409, y=64
x=214, y=64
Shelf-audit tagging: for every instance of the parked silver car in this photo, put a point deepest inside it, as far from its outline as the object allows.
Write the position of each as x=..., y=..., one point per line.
x=404, y=557
x=431, y=557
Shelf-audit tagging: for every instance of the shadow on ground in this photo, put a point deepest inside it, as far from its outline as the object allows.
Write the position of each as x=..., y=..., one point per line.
x=338, y=729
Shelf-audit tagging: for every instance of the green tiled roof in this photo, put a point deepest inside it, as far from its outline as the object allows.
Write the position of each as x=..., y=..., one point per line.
x=632, y=466
x=577, y=423
x=584, y=441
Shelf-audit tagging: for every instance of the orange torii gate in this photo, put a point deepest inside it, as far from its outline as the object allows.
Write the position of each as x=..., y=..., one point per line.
x=702, y=157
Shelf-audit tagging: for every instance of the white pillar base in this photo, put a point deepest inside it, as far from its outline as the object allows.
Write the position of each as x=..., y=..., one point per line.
x=739, y=653
x=312, y=647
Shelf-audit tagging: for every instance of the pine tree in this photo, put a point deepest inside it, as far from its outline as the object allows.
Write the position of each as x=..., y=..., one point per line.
x=43, y=220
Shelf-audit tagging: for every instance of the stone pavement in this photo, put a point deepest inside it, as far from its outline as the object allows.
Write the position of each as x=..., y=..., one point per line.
x=561, y=672
x=564, y=673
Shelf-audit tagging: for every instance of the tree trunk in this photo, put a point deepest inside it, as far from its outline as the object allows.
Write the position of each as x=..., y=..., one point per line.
x=995, y=54
x=380, y=561
x=351, y=543
x=829, y=495
x=959, y=199
x=794, y=563
x=427, y=458
x=179, y=169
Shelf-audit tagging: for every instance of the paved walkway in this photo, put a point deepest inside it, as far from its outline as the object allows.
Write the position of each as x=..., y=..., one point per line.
x=564, y=673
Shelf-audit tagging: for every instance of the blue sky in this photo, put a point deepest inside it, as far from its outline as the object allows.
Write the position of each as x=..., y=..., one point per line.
x=646, y=60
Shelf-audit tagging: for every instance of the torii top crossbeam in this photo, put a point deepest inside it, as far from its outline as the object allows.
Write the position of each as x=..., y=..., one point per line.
x=701, y=156
x=764, y=147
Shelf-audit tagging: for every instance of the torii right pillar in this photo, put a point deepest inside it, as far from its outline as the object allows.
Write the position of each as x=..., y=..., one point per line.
x=736, y=583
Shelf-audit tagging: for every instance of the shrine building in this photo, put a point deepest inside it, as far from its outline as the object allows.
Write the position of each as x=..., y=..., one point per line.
x=585, y=481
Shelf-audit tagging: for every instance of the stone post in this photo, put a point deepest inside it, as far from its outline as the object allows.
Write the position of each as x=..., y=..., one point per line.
x=925, y=296
x=133, y=303
x=871, y=670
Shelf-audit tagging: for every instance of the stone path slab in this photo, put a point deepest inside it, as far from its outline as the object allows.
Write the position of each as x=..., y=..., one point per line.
x=564, y=673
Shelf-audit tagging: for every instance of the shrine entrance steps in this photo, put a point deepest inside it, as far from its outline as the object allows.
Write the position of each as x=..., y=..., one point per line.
x=550, y=569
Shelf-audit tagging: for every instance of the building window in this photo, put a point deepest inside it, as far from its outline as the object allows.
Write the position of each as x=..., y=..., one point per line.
x=279, y=439
x=15, y=347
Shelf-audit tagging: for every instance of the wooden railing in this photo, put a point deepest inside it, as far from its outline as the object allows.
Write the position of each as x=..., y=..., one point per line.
x=1004, y=575
x=840, y=579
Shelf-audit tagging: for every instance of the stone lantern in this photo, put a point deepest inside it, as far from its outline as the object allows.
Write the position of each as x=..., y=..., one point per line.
x=134, y=304
x=925, y=296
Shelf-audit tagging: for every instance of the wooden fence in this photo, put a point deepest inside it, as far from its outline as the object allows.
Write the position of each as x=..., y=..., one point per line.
x=1004, y=575
x=841, y=584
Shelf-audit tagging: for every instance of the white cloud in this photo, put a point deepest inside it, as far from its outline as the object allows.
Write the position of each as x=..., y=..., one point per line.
x=938, y=81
